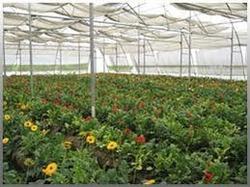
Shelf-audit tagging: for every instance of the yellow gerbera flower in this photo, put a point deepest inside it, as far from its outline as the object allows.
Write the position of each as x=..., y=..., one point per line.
x=29, y=162
x=67, y=144
x=34, y=128
x=7, y=117
x=112, y=145
x=151, y=181
x=50, y=169
x=44, y=131
x=28, y=124
x=5, y=140
x=90, y=139
x=24, y=107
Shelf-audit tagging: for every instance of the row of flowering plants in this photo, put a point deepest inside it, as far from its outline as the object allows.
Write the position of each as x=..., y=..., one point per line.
x=147, y=130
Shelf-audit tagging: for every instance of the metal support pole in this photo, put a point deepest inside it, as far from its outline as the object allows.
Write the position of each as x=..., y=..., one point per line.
x=4, y=62
x=155, y=57
x=189, y=45
x=234, y=31
x=139, y=63
x=116, y=57
x=181, y=51
x=20, y=57
x=124, y=52
x=60, y=53
x=144, y=56
x=17, y=59
x=79, y=58
x=231, y=57
x=158, y=60
x=138, y=39
x=30, y=50
x=93, y=74
x=104, y=60
x=57, y=51
x=240, y=50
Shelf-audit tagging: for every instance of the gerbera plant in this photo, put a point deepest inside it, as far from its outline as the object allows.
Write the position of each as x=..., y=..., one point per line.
x=147, y=130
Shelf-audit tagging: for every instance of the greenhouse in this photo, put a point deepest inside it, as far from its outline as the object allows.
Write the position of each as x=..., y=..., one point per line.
x=118, y=93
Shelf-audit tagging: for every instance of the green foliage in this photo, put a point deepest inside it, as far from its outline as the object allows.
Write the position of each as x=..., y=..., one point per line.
x=172, y=130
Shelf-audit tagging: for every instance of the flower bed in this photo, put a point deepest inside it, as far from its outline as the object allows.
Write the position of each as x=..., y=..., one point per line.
x=148, y=129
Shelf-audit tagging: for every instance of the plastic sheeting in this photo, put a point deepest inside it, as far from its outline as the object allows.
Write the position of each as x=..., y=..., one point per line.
x=228, y=10
x=117, y=22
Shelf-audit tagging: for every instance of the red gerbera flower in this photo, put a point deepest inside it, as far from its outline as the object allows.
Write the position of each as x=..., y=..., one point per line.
x=140, y=139
x=57, y=101
x=141, y=105
x=127, y=131
x=68, y=106
x=44, y=101
x=189, y=114
x=115, y=108
x=88, y=118
x=208, y=176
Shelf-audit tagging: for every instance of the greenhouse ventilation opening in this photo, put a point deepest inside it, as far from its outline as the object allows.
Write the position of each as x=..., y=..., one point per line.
x=133, y=92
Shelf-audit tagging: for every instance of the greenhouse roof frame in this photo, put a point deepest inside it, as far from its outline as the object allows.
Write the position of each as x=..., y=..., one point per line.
x=110, y=23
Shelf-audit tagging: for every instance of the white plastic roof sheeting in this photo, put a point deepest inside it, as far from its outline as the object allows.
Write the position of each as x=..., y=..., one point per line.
x=228, y=10
x=119, y=22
